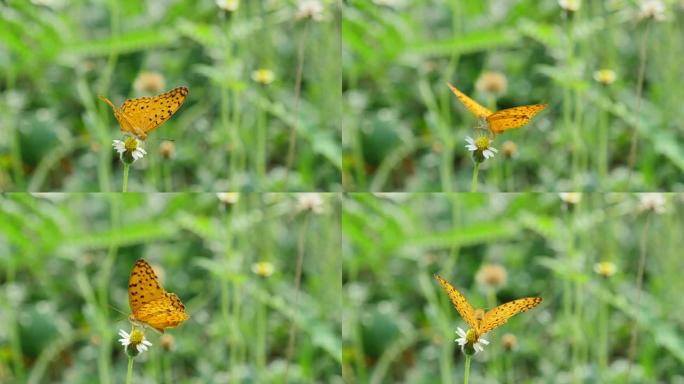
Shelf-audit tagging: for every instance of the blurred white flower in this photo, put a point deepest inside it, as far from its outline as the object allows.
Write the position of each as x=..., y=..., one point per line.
x=136, y=339
x=654, y=9
x=570, y=5
x=149, y=82
x=228, y=5
x=310, y=202
x=228, y=197
x=310, y=9
x=571, y=198
x=652, y=202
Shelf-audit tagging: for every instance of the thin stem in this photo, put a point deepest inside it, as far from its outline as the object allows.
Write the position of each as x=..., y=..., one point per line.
x=473, y=184
x=298, y=88
x=298, y=280
x=129, y=375
x=639, y=283
x=640, y=87
x=125, y=177
x=467, y=370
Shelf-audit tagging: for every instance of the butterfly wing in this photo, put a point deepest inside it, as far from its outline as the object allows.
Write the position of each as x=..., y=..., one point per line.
x=167, y=312
x=460, y=302
x=478, y=110
x=149, y=302
x=125, y=122
x=148, y=113
x=513, y=117
x=499, y=315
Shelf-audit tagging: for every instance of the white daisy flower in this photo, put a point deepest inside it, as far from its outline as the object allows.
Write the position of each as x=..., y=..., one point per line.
x=129, y=150
x=463, y=340
x=135, y=339
x=481, y=148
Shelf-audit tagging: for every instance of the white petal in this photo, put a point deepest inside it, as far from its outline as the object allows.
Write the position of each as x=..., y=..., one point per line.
x=123, y=333
x=483, y=341
x=478, y=348
x=147, y=342
x=493, y=149
x=460, y=332
x=470, y=140
x=471, y=147
x=125, y=341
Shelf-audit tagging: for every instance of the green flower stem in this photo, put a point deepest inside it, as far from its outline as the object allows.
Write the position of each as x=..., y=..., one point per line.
x=467, y=369
x=473, y=184
x=129, y=375
x=125, y=176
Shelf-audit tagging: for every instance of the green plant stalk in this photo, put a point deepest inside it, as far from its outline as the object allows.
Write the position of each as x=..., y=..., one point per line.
x=603, y=148
x=129, y=374
x=261, y=148
x=292, y=338
x=637, y=109
x=634, y=337
x=467, y=369
x=603, y=340
x=473, y=183
x=166, y=176
x=125, y=177
x=261, y=342
x=297, y=96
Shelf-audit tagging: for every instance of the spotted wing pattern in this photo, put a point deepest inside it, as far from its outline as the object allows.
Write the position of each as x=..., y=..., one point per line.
x=460, y=302
x=513, y=117
x=500, y=314
x=150, y=303
x=142, y=115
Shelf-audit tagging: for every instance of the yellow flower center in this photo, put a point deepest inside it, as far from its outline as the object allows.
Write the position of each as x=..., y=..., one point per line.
x=131, y=144
x=472, y=336
x=137, y=337
x=482, y=143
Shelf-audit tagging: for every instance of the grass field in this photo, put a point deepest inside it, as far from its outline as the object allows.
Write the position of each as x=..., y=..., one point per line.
x=591, y=327
x=64, y=267
x=405, y=131
x=238, y=130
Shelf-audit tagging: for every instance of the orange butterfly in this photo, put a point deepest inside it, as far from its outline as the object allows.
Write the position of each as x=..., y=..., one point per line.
x=480, y=321
x=150, y=303
x=142, y=115
x=501, y=120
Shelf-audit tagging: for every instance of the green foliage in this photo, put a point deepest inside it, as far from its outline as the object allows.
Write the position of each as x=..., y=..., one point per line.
x=64, y=267
x=399, y=325
x=232, y=133
x=404, y=130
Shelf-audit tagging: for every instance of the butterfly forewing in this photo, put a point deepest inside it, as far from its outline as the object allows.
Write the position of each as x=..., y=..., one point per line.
x=460, y=303
x=478, y=110
x=499, y=315
x=148, y=113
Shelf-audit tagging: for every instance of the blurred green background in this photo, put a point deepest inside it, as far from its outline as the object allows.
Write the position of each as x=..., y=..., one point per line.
x=65, y=260
x=405, y=130
x=233, y=132
x=399, y=325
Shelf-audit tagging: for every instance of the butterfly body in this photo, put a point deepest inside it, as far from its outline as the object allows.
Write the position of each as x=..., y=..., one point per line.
x=151, y=304
x=481, y=322
x=140, y=116
x=502, y=120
